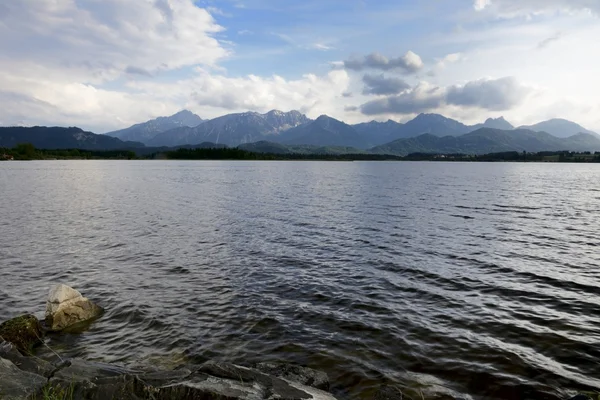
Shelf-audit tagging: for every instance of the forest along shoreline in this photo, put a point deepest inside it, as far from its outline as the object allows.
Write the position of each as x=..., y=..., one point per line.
x=27, y=152
x=25, y=376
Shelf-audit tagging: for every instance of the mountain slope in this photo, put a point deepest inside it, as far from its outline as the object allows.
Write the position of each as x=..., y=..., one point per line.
x=558, y=127
x=376, y=133
x=232, y=129
x=44, y=137
x=434, y=124
x=324, y=131
x=488, y=140
x=145, y=131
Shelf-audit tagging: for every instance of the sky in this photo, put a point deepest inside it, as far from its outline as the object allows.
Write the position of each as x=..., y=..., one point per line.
x=107, y=64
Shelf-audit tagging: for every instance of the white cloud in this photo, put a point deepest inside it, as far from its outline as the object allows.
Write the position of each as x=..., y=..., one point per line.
x=103, y=65
x=99, y=40
x=321, y=46
x=511, y=8
x=449, y=59
x=481, y=4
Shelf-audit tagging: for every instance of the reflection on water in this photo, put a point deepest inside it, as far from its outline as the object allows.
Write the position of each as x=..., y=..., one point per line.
x=482, y=278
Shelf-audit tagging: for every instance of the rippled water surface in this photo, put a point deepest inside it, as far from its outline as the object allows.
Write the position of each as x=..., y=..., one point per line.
x=482, y=278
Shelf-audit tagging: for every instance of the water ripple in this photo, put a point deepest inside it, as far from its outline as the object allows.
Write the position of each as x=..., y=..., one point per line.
x=480, y=278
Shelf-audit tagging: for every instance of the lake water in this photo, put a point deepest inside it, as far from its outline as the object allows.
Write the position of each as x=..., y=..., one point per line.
x=481, y=278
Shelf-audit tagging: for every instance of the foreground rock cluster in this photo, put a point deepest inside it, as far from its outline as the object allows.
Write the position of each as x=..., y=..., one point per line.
x=23, y=377
x=26, y=377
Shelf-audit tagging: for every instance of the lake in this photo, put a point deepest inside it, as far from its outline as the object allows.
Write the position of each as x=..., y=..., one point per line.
x=477, y=278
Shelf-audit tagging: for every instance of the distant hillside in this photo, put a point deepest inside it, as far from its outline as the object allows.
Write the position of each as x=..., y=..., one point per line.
x=61, y=138
x=146, y=131
x=558, y=127
x=324, y=131
x=278, y=148
x=233, y=129
x=434, y=124
x=376, y=133
x=487, y=140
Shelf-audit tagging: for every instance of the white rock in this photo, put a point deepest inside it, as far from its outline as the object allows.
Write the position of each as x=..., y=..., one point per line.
x=66, y=307
x=61, y=293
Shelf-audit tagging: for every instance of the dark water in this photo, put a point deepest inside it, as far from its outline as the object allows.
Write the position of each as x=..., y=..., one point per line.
x=481, y=278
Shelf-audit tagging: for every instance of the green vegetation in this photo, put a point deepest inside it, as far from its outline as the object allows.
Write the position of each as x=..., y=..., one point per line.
x=24, y=332
x=57, y=392
x=543, y=156
x=26, y=151
x=253, y=152
x=239, y=154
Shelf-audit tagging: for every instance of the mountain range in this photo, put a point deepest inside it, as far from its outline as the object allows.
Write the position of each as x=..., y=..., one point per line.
x=231, y=129
x=295, y=128
x=294, y=132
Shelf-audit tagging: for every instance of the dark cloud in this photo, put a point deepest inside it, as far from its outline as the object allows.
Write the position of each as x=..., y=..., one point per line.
x=418, y=99
x=379, y=84
x=137, y=71
x=546, y=42
x=409, y=63
x=347, y=94
x=495, y=95
x=351, y=108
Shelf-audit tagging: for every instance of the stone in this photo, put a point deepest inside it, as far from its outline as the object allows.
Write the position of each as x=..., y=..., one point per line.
x=67, y=307
x=16, y=384
x=34, y=365
x=24, y=332
x=295, y=373
x=78, y=370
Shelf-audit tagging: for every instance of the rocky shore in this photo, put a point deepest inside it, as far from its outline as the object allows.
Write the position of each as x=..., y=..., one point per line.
x=27, y=377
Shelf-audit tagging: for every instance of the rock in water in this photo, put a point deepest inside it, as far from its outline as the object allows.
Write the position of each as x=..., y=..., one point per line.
x=296, y=373
x=24, y=332
x=67, y=307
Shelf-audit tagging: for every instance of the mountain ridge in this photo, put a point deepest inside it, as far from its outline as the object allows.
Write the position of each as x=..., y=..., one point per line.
x=144, y=131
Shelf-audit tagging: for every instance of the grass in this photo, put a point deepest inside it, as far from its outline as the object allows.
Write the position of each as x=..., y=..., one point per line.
x=58, y=393
x=592, y=395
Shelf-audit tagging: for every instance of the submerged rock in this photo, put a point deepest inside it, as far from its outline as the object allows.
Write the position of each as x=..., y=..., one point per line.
x=296, y=373
x=24, y=332
x=66, y=307
x=216, y=380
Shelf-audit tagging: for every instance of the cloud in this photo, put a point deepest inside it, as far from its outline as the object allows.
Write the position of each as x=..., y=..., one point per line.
x=421, y=98
x=511, y=8
x=381, y=85
x=449, y=59
x=63, y=62
x=136, y=71
x=347, y=94
x=97, y=41
x=245, y=32
x=351, y=108
x=546, y=42
x=218, y=11
x=409, y=63
x=488, y=94
x=321, y=46
x=481, y=4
